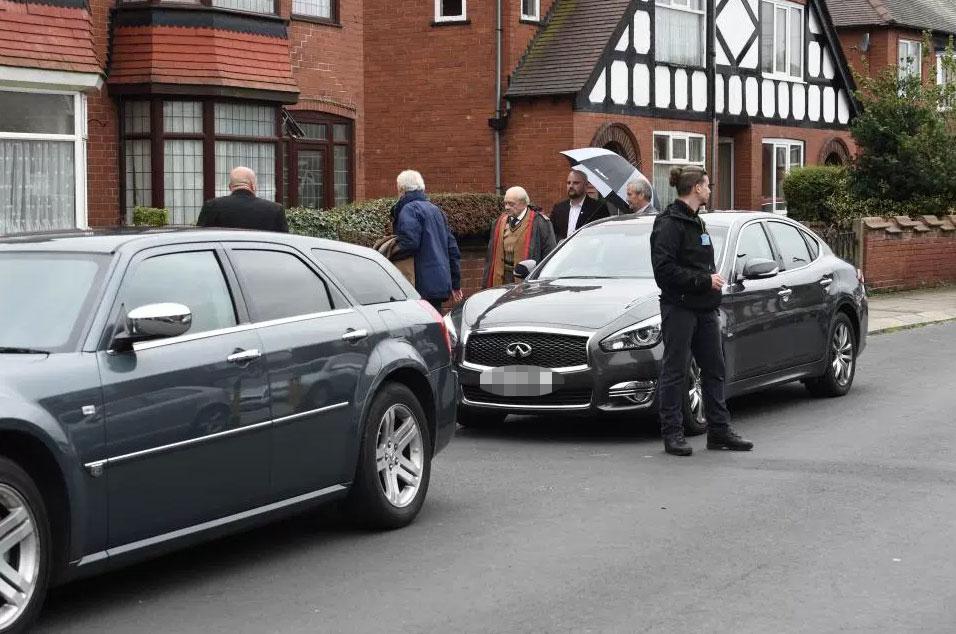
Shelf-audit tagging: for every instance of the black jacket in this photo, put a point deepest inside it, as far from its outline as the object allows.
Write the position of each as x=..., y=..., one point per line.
x=242, y=210
x=591, y=210
x=683, y=258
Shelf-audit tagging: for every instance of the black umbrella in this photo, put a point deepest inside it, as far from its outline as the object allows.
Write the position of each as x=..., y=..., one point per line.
x=608, y=172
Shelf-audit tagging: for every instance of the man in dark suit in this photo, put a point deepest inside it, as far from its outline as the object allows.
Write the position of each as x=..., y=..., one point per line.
x=241, y=209
x=639, y=196
x=570, y=215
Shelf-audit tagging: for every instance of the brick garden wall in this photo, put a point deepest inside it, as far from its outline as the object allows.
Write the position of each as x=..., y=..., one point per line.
x=901, y=254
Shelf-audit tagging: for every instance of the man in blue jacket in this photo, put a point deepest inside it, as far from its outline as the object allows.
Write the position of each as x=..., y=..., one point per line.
x=423, y=234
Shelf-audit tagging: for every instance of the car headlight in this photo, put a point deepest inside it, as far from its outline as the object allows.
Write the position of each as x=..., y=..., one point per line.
x=644, y=334
x=452, y=331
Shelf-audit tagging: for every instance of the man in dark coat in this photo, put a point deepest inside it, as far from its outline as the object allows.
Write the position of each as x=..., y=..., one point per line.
x=241, y=209
x=521, y=233
x=423, y=233
x=570, y=215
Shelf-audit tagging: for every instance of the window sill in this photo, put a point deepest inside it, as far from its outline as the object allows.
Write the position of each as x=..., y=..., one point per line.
x=295, y=17
x=786, y=78
x=452, y=22
x=528, y=20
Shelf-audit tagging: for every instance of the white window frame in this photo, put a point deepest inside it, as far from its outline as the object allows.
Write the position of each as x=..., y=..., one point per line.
x=903, y=71
x=684, y=5
x=78, y=138
x=440, y=17
x=789, y=6
x=536, y=16
x=941, y=78
x=789, y=144
x=672, y=136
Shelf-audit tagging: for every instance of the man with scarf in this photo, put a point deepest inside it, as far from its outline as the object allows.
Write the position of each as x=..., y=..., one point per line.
x=422, y=232
x=521, y=233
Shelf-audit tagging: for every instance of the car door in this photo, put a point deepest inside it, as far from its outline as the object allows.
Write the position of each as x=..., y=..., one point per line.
x=803, y=311
x=754, y=343
x=316, y=349
x=181, y=449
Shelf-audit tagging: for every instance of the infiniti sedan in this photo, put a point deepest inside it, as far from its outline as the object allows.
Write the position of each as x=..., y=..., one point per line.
x=159, y=388
x=582, y=332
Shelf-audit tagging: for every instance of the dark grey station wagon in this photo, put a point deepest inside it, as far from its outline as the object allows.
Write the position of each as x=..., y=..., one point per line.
x=162, y=387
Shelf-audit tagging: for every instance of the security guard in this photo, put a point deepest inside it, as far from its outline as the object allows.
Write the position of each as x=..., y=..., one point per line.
x=683, y=259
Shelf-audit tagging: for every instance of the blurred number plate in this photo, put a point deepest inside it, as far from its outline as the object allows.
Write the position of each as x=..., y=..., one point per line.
x=520, y=380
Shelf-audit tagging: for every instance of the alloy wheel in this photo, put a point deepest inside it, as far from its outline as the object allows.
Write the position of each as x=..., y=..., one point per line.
x=399, y=455
x=842, y=348
x=19, y=555
x=696, y=393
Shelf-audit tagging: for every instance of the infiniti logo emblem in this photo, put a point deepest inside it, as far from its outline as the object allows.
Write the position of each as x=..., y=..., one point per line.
x=518, y=350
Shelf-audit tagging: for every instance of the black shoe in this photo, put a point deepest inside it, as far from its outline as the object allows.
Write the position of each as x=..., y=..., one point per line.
x=677, y=446
x=728, y=440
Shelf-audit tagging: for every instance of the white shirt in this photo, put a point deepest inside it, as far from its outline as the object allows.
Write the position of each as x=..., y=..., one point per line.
x=521, y=216
x=573, y=214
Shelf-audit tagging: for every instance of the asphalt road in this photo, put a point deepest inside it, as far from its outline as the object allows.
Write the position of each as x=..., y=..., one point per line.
x=842, y=519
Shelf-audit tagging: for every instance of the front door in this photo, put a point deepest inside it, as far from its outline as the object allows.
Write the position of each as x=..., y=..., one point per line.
x=187, y=441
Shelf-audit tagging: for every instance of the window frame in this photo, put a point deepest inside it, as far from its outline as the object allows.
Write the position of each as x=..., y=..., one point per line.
x=684, y=6
x=232, y=252
x=294, y=145
x=775, y=143
x=531, y=17
x=740, y=232
x=441, y=18
x=672, y=135
x=333, y=19
x=902, y=72
x=774, y=73
x=79, y=139
x=779, y=250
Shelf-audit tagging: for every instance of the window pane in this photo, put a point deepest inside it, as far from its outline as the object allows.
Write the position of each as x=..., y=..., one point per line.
x=529, y=8
x=679, y=149
x=311, y=178
x=139, y=174
x=182, y=180
x=752, y=244
x=796, y=43
x=697, y=149
x=259, y=157
x=679, y=36
x=37, y=185
x=313, y=8
x=767, y=167
x=340, y=132
x=780, y=41
x=796, y=156
x=793, y=250
x=315, y=130
x=136, y=117
x=36, y=112
x=662, y=175
x=365, y=279
x=236, y=119
x=193, y=279
x=766, y=37
x=182, y=117
x=780, y=172
x=255, y=6
x=661, y=148
x=280, y=285
x=452, y=8
x=341, y=175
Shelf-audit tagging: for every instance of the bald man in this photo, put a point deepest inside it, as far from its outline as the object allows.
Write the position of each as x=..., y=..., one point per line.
x=521, y=233
x=241, y=209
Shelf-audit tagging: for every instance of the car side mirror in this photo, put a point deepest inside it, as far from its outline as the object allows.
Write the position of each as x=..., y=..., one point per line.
x=524, y=268
x=153, y=321
x=760, y=268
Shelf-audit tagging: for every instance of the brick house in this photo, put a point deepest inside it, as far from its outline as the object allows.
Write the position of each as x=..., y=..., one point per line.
x=108, y=105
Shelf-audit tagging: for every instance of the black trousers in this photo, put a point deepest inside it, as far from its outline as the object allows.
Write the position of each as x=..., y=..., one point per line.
x=436, y=303
x=685, y=332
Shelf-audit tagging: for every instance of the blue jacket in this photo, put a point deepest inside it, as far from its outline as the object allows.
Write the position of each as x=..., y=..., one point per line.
x=423, y=233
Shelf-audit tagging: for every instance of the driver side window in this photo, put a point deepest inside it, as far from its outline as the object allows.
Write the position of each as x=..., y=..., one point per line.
x=752, y=243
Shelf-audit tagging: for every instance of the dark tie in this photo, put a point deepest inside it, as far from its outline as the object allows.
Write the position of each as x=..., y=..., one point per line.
x=513, y=221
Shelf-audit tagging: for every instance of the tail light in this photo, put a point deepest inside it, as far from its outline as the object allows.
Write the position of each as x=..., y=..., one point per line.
x=441, y=322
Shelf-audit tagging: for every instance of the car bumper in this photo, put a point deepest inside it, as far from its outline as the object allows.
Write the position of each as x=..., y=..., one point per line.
x=446, y=388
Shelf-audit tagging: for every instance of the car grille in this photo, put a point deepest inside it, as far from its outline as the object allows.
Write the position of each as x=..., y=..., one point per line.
x=547, y=350
x=580, y=396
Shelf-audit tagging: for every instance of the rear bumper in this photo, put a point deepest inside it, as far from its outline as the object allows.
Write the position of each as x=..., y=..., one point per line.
x=445, y=386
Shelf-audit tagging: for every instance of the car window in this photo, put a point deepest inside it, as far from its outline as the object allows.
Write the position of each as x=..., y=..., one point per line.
x=793, y=248
x=365, y=278
x=813, y=244
x=753, y=243
x=278, y=284
x=194, y=279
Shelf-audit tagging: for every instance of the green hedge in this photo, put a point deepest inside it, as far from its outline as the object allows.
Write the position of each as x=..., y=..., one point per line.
x=810, y=190
x=469, y=215
x=150, y=217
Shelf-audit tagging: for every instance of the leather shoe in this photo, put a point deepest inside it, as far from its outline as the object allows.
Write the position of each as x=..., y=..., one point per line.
x=677, y=446
x=728, y=440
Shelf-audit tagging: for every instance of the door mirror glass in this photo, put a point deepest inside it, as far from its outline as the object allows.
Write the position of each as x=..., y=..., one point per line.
x=759, y=268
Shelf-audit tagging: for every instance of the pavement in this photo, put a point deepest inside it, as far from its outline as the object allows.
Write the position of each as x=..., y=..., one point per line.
x=908, y=309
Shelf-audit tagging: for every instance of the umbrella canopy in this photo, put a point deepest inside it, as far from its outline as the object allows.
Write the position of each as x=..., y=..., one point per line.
x=608, y=172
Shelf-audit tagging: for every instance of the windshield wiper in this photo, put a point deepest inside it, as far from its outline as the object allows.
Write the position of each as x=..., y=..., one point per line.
x=12, y=350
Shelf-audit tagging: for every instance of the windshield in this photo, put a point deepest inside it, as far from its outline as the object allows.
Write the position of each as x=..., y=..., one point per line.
x=44, y=297
x=612, y=249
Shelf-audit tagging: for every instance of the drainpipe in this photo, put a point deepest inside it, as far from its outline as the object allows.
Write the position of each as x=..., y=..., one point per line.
x=712, y=63
x=498, y=112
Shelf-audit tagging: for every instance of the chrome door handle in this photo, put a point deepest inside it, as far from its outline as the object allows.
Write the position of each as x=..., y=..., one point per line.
x=826, y=281
x=355, y=335
x=243, y=356
x=786, y=293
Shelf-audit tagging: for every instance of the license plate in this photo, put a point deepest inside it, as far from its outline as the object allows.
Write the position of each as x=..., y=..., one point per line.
x=520, y=380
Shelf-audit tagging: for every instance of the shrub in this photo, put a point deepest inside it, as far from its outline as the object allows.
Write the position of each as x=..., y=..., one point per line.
x=809, y=190
x=150, y=217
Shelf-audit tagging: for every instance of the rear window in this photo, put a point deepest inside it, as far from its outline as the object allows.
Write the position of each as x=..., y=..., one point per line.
x=364, y=278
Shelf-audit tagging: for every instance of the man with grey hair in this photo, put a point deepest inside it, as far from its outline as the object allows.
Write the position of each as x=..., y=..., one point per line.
x=521, y=233
x=639, y=196
x=241, y=209
x=423, y=234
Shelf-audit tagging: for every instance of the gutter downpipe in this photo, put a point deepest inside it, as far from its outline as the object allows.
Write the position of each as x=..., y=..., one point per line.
x=498, y=112
x=712, y=46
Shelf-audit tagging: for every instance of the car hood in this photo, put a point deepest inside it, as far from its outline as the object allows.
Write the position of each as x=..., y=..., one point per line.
x=582, y=303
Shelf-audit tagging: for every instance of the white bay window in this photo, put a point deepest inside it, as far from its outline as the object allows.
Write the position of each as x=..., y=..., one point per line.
x=673, y=149
x=779, y=157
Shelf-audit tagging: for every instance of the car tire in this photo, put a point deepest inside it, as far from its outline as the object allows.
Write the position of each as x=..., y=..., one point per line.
x=479, y=419
x=841, y=360
x=394, y=465
x=23, y=517
x=695, y=423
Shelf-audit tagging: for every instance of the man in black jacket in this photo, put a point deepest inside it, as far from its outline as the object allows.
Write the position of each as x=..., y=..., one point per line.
x=241, y=209
x=570, y=215
x=683, y=259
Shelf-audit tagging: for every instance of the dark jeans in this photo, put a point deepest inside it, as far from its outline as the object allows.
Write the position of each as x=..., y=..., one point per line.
x=684, y=332
x=436, y=303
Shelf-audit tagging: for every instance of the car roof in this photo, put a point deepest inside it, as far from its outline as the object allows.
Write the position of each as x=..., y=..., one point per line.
x=718, y=218
x=112, y=240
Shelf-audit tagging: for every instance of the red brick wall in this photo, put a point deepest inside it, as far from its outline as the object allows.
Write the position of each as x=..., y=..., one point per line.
x=883, y=50
x=900, y=254
x=102, y=146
